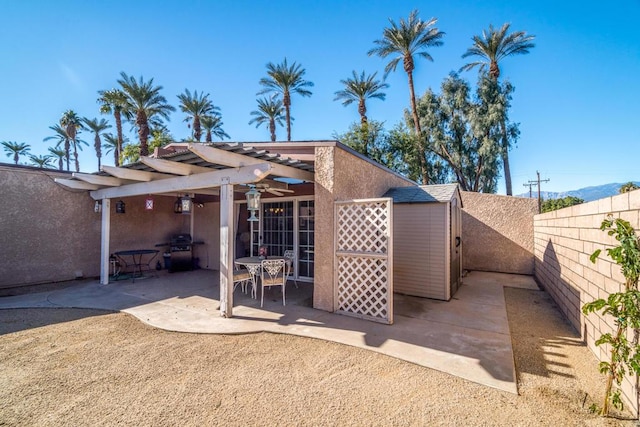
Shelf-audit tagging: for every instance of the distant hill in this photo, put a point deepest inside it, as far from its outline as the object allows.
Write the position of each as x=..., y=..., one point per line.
x=587, y=194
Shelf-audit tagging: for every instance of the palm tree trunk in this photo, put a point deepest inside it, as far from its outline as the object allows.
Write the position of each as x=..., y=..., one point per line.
x=362, y=109
x=75, y=155
x=505, y=159
x=118, y=117
x=143, y=133
x=286, y=100
x=208, y=137
x=97, y=145
x=416, y=120
x=67, y=151
x=60, y=163
x=16, y=157
x=272, y=129
x=197, y=132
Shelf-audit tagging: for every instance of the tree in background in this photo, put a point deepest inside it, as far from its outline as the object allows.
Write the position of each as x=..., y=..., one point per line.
x=555, y=204
x=111, y=145
x=59, y=154
x=41, y=161
x=114, y=102
x=63, y=139
x=492, y=47
x=629, y=186
x=286, y=80
x=145, y=105
x=270, y=112
x=98, y=128
x=72, y=124
x=213, y=127
x=15, y=149
x=197, y=106
x=371, y=140
x=359, y=89
x=405, y=40
x=463, y=130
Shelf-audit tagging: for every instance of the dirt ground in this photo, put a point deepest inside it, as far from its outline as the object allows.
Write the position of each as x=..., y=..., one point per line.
x=88, y=367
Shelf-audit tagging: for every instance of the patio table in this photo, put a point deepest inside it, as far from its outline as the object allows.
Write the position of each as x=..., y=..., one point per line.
x=254, y=264
x=136, y=259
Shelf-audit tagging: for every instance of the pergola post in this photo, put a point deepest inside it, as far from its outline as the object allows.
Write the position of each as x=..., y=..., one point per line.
x=104, y=241
x=227, y=250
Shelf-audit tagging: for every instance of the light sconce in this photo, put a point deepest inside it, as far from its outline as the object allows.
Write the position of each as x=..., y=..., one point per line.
x=120, y=207
x=253, y=203
x=97, y=207
x=185, y=205
x=177, y=206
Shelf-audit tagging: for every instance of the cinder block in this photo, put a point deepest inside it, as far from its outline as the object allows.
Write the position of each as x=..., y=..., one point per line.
x=634, y=199
x=604, y=205
x=620, y=202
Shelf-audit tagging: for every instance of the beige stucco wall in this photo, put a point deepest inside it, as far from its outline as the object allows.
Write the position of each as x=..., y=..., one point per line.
x=49, y=233
x=497, y=233
x=564, y=241
x=340, y=175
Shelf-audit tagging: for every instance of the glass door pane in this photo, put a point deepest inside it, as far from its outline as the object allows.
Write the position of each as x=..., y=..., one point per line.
x=277, y=227
x=305, y=238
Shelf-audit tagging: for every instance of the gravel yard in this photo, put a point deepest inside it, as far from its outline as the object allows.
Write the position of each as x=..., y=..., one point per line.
x=88, y=367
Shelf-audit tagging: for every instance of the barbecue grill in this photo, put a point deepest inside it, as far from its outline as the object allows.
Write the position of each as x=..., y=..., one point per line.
x=180, y=248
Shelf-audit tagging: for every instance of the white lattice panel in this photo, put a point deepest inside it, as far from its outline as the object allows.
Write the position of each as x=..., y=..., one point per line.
x=363, y=279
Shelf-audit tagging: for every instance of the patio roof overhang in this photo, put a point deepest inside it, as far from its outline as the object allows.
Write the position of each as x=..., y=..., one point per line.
x=200, y=168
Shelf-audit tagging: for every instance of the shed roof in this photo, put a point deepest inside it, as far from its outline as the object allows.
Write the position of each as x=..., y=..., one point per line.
x=437, y=193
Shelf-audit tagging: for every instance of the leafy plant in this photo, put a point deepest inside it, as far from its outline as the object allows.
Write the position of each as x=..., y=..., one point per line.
x=564, y=202
x=624, y=307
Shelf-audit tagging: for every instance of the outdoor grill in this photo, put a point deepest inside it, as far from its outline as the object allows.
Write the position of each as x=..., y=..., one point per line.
x=180, y=249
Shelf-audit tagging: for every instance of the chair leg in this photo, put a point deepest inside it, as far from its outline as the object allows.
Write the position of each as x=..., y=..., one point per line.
x=284, y=285
x=262, y=296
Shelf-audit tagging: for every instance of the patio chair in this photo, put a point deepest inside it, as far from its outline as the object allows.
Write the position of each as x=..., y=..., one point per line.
x=290, y=258
x=240, y=277
x=273, y=274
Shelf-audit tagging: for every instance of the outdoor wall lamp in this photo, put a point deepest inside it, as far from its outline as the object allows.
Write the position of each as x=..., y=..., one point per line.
x=177, y=206
x=120, y=207
x=185, y=205
x=97, y=207
x=253, y=203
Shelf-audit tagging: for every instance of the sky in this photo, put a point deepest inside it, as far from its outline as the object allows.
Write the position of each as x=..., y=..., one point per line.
x=577, y=96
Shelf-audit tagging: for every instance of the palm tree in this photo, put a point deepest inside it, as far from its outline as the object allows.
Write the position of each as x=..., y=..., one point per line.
x=15, y=149
x=405, y=40
x=115, y=101
x=269, y=111
x=146, y=104
x=492, y=47
x=41, y=161
x=361, y=88
x=63, y=138
x=59, y=154
x=97, y=127
x=110, y=145
x=286, y=80
x=196, y=106
x=213, y=126
x=72, y=123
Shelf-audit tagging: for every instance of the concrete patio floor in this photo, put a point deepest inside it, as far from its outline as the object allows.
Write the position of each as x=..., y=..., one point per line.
x=467, y=337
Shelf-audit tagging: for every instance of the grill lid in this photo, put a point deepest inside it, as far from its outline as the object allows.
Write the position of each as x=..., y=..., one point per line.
x=181, y=239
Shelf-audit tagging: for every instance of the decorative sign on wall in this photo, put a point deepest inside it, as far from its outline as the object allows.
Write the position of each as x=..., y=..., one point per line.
x=148, y=204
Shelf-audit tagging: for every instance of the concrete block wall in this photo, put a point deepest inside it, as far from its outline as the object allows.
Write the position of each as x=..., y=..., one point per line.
x=564, y=241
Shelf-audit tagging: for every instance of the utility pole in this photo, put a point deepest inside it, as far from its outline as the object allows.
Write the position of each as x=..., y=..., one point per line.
x=530, y=184
x=537, y=183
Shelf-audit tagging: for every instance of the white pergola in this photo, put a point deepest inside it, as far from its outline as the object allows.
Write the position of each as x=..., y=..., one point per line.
x=211, y=169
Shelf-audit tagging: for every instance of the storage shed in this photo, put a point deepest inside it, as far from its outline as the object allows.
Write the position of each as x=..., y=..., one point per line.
x=427, y=245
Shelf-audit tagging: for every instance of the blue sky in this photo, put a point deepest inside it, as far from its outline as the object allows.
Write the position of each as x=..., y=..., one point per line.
x=577, y=92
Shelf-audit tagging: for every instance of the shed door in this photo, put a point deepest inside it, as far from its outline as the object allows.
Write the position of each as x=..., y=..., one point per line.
x=363, y=281
x=456, y=245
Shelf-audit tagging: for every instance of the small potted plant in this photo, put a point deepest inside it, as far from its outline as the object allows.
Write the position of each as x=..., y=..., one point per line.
x=262, y=252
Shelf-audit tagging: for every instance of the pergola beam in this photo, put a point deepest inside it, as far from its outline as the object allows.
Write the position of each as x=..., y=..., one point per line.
x=175, y=168
x=98, y=179
x=216, y=178
x=75, y=184
x=234, y=160
x=134, y=174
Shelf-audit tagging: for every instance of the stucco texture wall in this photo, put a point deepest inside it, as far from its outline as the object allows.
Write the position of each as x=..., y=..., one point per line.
x=564, y=241
x=50, y=233
x=497, y=233
x=340, y=175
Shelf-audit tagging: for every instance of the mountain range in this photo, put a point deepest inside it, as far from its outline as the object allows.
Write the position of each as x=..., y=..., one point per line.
x=587, y=194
